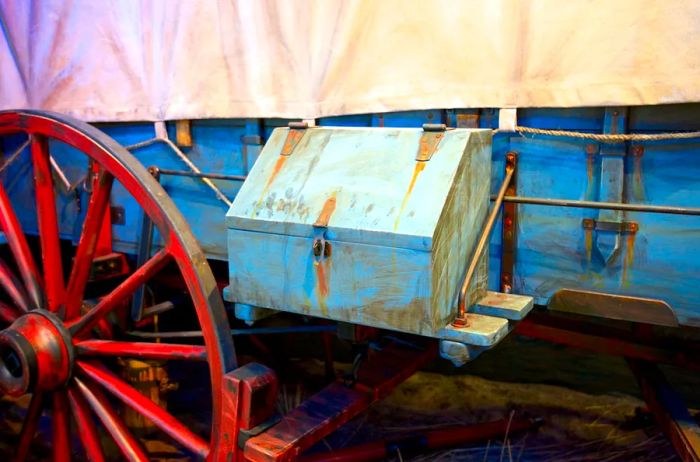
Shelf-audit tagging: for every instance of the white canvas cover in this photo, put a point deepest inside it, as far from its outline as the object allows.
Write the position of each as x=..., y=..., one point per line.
x=120, y=60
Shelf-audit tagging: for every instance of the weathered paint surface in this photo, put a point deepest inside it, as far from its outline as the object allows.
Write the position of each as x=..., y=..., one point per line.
x=365, y=284
x=400, y=231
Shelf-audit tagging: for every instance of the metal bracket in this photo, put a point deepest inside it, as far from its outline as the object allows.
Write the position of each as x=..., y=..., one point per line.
x=294, y=135
x=429, y=141
x=461, y=319
x=611, y=186
x=624, y=227
x=509, y=230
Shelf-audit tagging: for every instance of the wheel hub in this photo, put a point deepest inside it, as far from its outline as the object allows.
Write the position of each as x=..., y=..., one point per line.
x=36, y=354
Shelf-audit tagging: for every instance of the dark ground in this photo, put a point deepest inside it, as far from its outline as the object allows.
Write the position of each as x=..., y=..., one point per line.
x=588, y=404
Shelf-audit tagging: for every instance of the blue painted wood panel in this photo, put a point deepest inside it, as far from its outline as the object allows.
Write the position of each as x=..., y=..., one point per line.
x=552, y=247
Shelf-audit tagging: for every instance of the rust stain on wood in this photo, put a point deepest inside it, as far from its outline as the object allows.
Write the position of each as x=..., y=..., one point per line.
x=293, y=138
x=275, y=171
x=322, y=283
x=416, y=171
x=328, y=208
x=591, y=151
x=637, y=188
x=629, y=258
x=323, y=263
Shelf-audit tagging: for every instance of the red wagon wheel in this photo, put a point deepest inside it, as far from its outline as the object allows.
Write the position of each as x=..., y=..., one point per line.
x=48, y=349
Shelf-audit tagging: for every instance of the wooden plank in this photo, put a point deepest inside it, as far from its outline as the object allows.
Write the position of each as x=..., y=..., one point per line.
x=482, y=331
x=509, y=306
x=311, y=421
x=183, y=133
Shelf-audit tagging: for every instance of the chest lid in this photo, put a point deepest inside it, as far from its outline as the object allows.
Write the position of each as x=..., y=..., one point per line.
x=381, y=186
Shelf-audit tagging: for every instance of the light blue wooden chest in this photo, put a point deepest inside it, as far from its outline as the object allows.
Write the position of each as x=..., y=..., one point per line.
x=372, y=226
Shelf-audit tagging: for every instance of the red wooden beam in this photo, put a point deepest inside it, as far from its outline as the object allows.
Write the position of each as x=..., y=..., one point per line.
x=669, y=410
x=336, y=404
x=599, y=339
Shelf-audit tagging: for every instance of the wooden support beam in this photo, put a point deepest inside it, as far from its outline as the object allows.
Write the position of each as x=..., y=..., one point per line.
x=668, y=408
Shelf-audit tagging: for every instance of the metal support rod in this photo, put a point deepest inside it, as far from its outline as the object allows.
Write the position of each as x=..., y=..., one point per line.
x=213, y=176
x=461, y=321
x=145, y=247
x=601, y=205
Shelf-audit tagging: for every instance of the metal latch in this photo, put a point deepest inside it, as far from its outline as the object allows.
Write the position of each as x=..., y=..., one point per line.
x=321, y=247
x=294, y=135
x=429, y=141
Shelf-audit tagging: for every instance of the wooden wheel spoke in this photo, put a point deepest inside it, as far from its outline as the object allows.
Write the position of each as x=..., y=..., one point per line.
x=20, y=250
x=8, y=313
x=60, y=426
x=129, y=446
x=119, y=295
x=48, y=222
x=84, y=421
x=85, y=253
x=29, y=427
x=159, y=416
x=141, y=350
x=13, y=287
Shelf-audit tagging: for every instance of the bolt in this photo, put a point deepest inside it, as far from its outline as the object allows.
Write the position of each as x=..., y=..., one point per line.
x=588, y=223
x=460, y=322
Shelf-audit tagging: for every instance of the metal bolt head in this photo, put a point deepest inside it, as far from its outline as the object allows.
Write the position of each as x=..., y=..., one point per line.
x=637, y=151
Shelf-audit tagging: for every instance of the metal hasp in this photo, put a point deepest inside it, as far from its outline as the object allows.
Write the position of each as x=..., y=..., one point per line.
x=429, y=141
x=48, y=342
x=461, y=319
x=294, y=135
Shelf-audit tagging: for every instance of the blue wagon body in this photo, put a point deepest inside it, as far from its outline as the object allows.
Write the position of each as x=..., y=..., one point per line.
x=555, y=248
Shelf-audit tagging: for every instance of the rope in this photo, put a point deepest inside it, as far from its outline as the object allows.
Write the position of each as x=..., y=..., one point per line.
x=609, y=137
